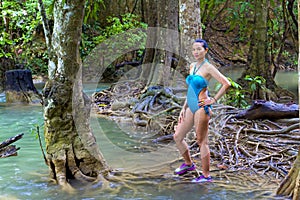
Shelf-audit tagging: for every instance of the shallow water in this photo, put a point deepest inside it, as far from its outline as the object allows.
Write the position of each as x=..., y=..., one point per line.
x=26, y=176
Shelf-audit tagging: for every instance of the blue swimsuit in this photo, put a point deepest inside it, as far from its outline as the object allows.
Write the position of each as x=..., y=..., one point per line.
x=196, y=84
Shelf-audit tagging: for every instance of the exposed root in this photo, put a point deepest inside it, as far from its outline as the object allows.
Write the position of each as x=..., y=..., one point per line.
x=263, y=147
x=61, y=176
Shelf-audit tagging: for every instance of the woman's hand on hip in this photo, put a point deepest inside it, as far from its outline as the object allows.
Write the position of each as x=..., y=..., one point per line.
x=205, y=102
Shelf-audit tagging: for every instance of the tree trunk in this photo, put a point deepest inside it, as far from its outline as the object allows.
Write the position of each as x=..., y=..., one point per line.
x=290, y=186
x=168, y=48
x=72, y=152
x=162, y=41
x=190, y=27
x=258, y=58
x=19, y=87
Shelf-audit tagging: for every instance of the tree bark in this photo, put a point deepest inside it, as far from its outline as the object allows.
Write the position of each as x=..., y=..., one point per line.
x=190, y=27
x=258, y=58
x=72, y=152
x=261, y=109
x=181, y=17
x=290, y=186
x=162, y=41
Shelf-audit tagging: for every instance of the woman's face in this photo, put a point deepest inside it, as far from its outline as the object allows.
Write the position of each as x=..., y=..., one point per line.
x=198, y=51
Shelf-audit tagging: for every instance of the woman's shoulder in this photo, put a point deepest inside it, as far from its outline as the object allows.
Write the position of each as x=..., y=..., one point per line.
x=211, y=66
x=192, y=65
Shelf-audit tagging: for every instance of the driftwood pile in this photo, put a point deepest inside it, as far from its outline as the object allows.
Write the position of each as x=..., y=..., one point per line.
x=264, y=146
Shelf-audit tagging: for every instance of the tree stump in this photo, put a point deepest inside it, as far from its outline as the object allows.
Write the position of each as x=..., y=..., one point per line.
x=262, y=109
x=19, y=87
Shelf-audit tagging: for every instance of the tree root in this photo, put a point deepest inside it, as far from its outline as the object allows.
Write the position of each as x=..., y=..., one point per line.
x=291, y=183
x=266, y=148
x=63, y=167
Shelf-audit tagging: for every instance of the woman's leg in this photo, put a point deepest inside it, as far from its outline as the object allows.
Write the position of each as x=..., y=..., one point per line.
x=201, y=121
x=181, y=130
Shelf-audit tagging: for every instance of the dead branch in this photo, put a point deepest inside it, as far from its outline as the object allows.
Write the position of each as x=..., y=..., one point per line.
x=6, y=149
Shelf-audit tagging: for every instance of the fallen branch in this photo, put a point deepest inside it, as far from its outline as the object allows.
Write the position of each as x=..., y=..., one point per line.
x=6, y=149
x=269, y=110
x=11, y=140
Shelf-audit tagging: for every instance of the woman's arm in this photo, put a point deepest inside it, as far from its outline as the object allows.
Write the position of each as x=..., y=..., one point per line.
x=222, y=80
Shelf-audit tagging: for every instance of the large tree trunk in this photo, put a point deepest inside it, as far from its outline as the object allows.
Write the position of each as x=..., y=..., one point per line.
x=258, y=58
x=177, y=25
x=72, y=152
x=190, y=27
x=162, y=41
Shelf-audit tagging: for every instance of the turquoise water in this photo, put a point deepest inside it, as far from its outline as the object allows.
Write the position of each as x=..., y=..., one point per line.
x=26, y=176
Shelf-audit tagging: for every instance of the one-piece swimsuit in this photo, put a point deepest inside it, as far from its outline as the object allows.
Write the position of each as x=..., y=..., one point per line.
x=196, y=84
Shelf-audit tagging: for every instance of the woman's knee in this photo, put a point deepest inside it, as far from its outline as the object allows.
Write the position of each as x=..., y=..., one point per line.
x=175, y=137
x=202, y=141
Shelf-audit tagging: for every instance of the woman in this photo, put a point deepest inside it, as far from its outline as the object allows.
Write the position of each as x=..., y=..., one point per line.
x=197, y=110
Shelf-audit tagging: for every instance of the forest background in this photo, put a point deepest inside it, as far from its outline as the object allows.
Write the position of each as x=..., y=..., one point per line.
x=226, y=25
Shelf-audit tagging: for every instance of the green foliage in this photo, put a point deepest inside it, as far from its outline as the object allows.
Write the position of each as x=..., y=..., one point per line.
x=92, y=7
x=209, y=9
x=22, y=38
x=255, y=82
x=235, y=96
x=21, y=21
x=238, y=14
x=35, y=130
x=281, y=26
x=117, y=26
x=239, y=97
x=239, y=17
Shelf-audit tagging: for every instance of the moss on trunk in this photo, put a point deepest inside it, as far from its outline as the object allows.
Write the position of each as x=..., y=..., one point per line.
x=72, y=152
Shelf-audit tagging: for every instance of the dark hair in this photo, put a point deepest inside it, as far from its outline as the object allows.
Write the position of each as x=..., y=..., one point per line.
x=205, y=45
